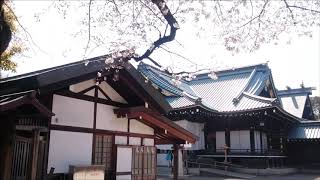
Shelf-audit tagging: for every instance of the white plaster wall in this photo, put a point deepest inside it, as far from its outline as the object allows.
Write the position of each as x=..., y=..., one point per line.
x=120, y=140
x=196, y=129
x=69, y=148
x=135, y=141
x=107, y=120
x=138, y=127
x=148, y=142
x=220, y=141
x=112, y=93
x=81, y=86
x=72, y=112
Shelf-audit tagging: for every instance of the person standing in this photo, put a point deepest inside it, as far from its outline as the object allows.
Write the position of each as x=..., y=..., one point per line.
x=169, y=158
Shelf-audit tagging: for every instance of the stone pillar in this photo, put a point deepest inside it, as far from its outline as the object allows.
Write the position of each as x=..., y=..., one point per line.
x=180, y=163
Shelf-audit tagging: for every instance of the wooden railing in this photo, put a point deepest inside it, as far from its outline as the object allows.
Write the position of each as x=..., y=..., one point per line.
x=246, y=151
x=208, y=163
x=32, y=120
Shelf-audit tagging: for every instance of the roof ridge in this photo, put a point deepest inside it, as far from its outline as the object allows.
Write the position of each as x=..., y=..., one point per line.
x=238, y=97
x=260, y=98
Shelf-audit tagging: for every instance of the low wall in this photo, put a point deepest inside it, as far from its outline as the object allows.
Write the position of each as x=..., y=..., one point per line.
x=267, y=171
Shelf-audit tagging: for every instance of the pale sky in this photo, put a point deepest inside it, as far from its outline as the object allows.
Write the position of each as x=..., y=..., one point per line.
x=290, y=63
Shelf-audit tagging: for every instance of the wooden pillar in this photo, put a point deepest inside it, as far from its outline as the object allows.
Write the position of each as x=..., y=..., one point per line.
x=35, y=152
x=252, y=142
x=227, y=136
x=6, y=146
x=175, y=161
x=261, y=141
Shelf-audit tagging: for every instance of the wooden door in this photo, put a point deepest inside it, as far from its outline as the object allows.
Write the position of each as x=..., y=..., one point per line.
x=144, y=163
x=21, y=158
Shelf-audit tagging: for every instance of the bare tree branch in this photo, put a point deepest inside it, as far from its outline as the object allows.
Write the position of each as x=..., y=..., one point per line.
x=89, y=29
x=174, y=26
x=303, y=8
x=179, y=55
x=288, y=7
x=258, y=16
x=23, y=28
x=144, y=4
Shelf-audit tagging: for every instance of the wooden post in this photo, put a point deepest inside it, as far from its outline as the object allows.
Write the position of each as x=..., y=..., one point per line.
x=252, y=141
x=34, y=156
x=6, y=147
x=261, y=151
x=175, y=161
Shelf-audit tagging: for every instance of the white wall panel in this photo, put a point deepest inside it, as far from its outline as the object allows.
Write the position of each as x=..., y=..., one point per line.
x=220, y=140
x=123, y=177
x=257, y=141
x=111, y=92
x=120, y=140
x=138, y=127
x=69, y=148
x=124, y=159
x=245, y=140
x=240, y=141
x=234, y=141
x=72, y=112
x=81, y=86
x=107, y=120
x=135, y=141
x=148, y=142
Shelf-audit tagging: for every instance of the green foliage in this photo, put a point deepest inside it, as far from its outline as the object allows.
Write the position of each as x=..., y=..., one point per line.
x=16, y=47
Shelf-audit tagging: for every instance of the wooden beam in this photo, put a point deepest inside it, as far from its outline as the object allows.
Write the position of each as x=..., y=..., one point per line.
x=43, y=110
x=87, y=89
x=100, y=131
x=179, y=133
x=104, y=93
x=91, y=99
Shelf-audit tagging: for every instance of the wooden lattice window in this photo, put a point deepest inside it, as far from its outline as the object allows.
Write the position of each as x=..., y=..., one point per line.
x=144, y=162
x=103, y=151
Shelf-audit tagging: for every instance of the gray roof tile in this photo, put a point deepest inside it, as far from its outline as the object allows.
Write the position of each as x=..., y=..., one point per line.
x=245, y=84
